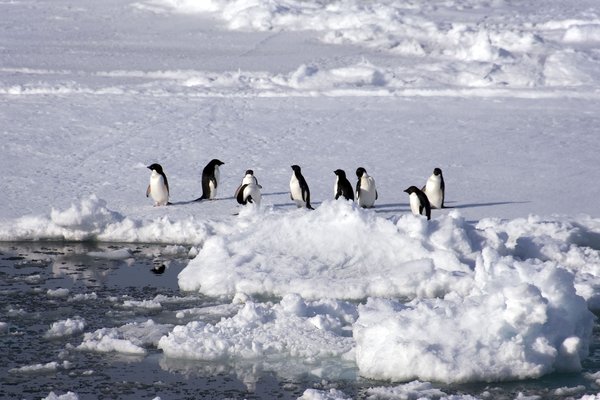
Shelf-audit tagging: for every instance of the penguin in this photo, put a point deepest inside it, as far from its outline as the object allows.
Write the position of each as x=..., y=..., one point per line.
x=249, y=190
x=158, y=269
x=366, y=192
x=299, y=191
x=419, y=204
x=210, y=180
x=435, y=189
x=342, y=186
x=159, y=186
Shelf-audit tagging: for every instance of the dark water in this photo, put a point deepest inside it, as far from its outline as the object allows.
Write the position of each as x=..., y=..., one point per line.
x=29, y=270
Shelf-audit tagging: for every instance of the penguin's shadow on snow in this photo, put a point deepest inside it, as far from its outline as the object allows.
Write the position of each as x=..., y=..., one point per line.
x=490, y=204
x=391, y=207
x=274, y=194
x=195, y=201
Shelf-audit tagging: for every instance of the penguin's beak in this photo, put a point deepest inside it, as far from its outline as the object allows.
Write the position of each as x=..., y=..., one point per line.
x=148, y=167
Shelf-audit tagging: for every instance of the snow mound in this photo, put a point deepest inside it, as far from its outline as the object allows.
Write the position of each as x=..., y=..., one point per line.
x=66, y=327
x=130, y=338
x=338, y=251
x=521, y=320
x=292, y=328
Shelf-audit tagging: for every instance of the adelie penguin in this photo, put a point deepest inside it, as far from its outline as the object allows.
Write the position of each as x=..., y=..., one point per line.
x=210, y=180
x=419, y=204
x=249, y=190
x=366, y=192
x=342, y=187
x=299, y=191
x=159, y=186
x=435, y=189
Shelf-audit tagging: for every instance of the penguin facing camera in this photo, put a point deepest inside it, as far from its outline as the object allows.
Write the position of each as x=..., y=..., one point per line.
x=366, y=192
x=435, y=189
x=158, y=188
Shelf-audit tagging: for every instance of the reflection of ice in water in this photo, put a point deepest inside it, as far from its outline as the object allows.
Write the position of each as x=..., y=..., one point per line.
x=250, y=371
x=77, y=271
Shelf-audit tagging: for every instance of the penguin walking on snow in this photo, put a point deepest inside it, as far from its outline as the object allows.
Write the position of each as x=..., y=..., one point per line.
x=342, y=186
x=435, y=189
x=249, y=190
x=419, y=204
x=159, y=186
x=366, y=192
x=299, y=191
x=210, y=180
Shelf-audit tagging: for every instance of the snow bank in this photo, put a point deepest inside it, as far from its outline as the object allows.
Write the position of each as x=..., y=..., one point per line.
x=292, y=328
x=91, y=219
x=521, y=320
x=338, y=251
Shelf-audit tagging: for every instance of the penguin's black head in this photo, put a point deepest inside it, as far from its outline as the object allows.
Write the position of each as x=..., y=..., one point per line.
x=216, y=161
x=296, y=168
x=340, y=173
x=411, y=190
x=360, y=171
x=155, y=167
x=437, y=171
x=249, y=172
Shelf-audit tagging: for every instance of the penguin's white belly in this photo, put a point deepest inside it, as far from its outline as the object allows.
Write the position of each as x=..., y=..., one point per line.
x=433, y=191
x=415, y=203
x=212, y=186
x=252, y=191
x=213, y=190
x=158, y=190
x=296, y=191
x=367, y=193
x=335, y=186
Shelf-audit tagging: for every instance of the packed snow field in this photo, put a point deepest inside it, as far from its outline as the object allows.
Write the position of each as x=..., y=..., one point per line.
x=501, y=95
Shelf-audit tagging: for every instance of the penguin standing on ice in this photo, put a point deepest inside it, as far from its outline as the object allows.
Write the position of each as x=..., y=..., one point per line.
x=299, y=191
x=342, y=186
x=366, y=192
x=159, y=186
x=435, y=189
x=249, y=190
x=419, y=204
x=210, y=180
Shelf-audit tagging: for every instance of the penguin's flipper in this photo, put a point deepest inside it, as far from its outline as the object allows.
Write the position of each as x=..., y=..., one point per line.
x=166, y=182
x=214, y=182
x=237, y=191
x=148, y=191
x=376, y=195
x=421, y=210
x=240, y=195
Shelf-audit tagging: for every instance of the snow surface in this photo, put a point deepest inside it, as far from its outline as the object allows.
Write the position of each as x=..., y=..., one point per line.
x=503, y=96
